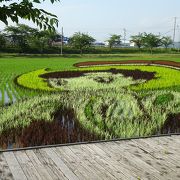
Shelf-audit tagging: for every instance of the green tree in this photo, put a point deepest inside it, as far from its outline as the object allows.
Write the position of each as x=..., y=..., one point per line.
x=114, y=40
x=2, y=40
x=151, y=41
x=138, y=40
x=19, y=35
x=43, y=39
x=25, y=9
x=166, y=41
x=81, y=41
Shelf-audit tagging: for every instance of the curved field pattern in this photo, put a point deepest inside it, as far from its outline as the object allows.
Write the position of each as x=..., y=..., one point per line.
x=135, y=62
x=80, y=116
x=144, y=77
x=93, y=103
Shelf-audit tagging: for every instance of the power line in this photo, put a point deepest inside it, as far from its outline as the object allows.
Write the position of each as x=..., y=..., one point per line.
x=124, y=35
x=62, y=40
x=168, y=32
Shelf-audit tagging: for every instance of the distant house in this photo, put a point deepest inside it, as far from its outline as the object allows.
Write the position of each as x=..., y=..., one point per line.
x=99, y=44
x=58, y=41
x=126, y=44
x=175, y=45
x=121, y=45
x=133, y=44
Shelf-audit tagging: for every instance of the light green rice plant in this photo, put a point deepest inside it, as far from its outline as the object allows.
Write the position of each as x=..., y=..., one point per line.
x=123, y=115
x=165, y=78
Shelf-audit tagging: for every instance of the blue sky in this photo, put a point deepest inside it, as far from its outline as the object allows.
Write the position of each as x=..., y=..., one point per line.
x=100, y=18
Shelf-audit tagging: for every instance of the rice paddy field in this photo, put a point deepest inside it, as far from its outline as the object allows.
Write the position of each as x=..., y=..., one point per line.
x=53, y=100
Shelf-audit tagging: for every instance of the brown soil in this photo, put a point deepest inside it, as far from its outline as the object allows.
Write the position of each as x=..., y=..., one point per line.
x=135, y=74
x=172, y=124
x=148, y=62
x=64, y=129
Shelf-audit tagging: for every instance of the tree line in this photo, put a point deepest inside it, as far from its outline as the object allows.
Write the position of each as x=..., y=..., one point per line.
x=23, y=38
x=26, y=39
x=151, y=41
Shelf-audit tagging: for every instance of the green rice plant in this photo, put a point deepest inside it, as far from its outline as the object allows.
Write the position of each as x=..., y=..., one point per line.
x=84, y=82
x=108, y=113
x=159, y=112
x=124, y=109
x=164, y=99
x=165, y=78
x=89, y=81
x=12, y=65
x=23, y=113
x=33, y=81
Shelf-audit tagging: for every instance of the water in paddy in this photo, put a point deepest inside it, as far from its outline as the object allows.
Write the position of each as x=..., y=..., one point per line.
x=0, y=96
x=7, y=96
x=63, y=129
x=14, y=99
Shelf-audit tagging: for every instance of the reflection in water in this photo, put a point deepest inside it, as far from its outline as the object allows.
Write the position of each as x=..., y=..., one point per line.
x=7, y=95
x=64, y=129
x=172, y=124
x=12, y=94
x=6, y=98
x=0, y=96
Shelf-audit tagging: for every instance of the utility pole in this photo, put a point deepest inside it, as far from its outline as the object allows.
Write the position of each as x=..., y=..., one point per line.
x=174, y=32
x=62, y=40
x=124, y=35
x=178, y=28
